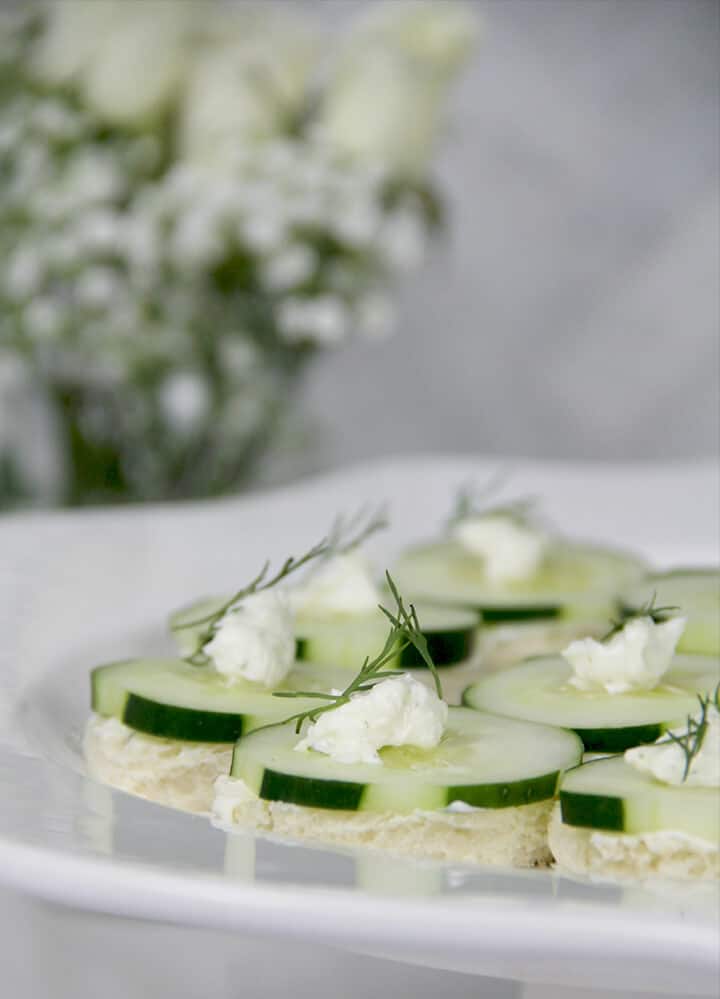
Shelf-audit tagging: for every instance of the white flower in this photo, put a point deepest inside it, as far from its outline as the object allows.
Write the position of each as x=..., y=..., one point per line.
x=256, y=641
x=383, y=108
x=97, y=287
x=98, y=231
x=323, y=319
x=223, y=107
x=288, y=268
x=43, y=318
x=635, y=658
x=69, y=40
x=439, y=35
x=358, y=223
x=185, y=400
x=24, y=275
x=264, y=232
x=196, y=241
x=243, y=91
x=140, y=61
x=399, y=711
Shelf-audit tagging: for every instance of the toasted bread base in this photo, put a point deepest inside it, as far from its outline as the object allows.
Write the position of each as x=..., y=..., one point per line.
x=624, y=857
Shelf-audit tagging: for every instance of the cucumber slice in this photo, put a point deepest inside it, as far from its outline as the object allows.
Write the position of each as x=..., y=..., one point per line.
x=167, y=697
x=538, y=690
x=484, y=761
x=346, y=639
x=573, y=579
x=611, y=795
x=696, y=594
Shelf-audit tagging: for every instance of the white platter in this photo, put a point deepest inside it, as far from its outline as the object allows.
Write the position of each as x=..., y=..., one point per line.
x=79, y=588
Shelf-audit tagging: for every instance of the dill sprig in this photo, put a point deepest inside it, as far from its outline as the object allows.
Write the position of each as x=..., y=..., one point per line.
x=260, y=583
x=471, y=501
x=348, y=533
x=345, y=534
x=691, y=741
x=404, y=631
x=658, y=615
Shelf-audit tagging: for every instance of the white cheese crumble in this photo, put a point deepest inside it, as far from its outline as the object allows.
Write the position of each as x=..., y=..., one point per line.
x=399, y=711
x=343, y=584
x=512, y=550
x=665, y=760
x=635, y=658
x=256, y=640
x=229, y=793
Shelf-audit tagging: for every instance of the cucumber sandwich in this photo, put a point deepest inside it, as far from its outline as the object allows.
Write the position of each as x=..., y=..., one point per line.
x=533, y=589
x=385, y=763
x=653, y=811
x=615, y=693
x=164, y=728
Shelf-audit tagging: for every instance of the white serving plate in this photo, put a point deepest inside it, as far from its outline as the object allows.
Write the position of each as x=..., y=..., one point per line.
x=79, y=588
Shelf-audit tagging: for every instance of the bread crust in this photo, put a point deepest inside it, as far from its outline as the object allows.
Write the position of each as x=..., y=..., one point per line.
x=509, y=837
x=167, y=771
x=623, y=857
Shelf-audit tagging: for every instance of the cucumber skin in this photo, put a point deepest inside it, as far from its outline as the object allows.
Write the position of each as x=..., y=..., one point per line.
x=510, y=615
x=446, y=648
x=591, y=811
x=314, y=792
x=311, y=792
x=617, y=740
x=174, y=722
x=603, y=740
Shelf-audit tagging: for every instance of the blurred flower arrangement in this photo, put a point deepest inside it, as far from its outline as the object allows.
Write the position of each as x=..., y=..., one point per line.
x=196, y=198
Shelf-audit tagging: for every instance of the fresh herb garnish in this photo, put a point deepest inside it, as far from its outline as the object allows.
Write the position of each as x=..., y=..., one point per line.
x=473, y=502
x=658, y=615
x=345, y=535
x=404, y=631
x=691, y=741
x=348, y=533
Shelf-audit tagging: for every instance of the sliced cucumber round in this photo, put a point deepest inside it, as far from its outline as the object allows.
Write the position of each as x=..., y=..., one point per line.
x=696, y=594
x=611, y=795
x=482, y=760
x=573, y=580
x=538, y=690
x=346, y=639
x=167, y=697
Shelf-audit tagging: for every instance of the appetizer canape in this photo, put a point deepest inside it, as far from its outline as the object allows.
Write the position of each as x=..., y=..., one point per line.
x=386, y=763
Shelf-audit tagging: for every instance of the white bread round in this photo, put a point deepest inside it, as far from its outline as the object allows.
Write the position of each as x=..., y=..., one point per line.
x=625, y=857
x=510, y=837
x=168, y=771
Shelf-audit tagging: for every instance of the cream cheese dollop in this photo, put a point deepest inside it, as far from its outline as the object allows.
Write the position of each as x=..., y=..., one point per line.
x=512, y=550
x=342, y=584
x=255, y=640
x=635, y=658
x=665, y=760
x=399, y=711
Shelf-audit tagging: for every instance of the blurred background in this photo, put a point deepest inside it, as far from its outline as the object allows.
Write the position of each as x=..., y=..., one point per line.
x=205, y=252
x=573, y=309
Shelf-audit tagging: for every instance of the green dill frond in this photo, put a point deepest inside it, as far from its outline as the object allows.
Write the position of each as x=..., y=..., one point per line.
x=404, y=631
x=658, y=615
